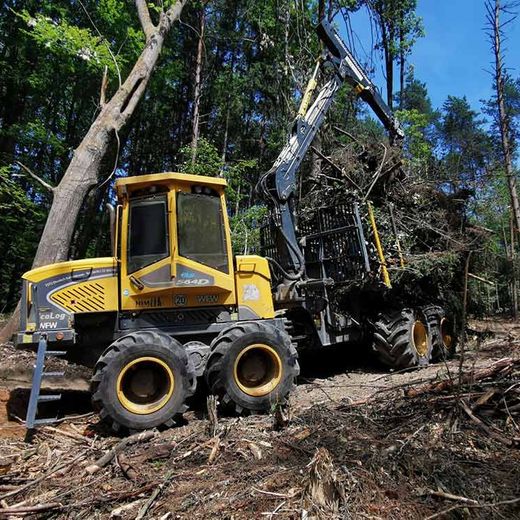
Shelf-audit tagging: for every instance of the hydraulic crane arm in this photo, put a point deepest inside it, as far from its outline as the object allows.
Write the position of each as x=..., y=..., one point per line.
x=351, y=72
x=307, y=124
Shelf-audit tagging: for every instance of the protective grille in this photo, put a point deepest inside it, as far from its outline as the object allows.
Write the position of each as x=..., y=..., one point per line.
x=332, y=244
x=87, y=297
x=271, y=245
x=331, y=240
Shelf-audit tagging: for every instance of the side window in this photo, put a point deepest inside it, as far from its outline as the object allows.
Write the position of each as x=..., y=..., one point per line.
x=147, y=232
x=200, y=230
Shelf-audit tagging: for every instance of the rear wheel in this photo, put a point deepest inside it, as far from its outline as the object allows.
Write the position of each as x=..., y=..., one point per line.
x=142, y=381
x=252, y=366
x=442, y=335
x=401, y=340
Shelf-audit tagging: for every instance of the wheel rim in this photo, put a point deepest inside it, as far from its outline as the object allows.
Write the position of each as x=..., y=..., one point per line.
x=145, y=385
x=257, y=370
x=447, y=338
x=420, y=338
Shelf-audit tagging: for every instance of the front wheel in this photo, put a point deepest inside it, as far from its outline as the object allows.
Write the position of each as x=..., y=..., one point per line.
x=142, y=381
x=252, y=366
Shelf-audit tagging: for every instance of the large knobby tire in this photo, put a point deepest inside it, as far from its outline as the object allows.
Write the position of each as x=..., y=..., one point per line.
x=142, y=381
x=401, y=339
x=252, y=366
x=443, y=338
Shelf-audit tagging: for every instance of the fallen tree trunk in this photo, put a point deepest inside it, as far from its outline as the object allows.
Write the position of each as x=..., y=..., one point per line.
x=502, y=366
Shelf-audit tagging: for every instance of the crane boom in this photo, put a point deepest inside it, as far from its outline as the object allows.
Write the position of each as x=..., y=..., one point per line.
x=306, y=125
x=352, y=72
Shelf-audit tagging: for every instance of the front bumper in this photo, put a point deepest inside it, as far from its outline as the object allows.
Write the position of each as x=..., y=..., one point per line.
x=65, y=337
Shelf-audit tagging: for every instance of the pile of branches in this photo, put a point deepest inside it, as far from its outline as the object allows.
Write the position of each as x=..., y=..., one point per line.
x=423, y=229
x=488, y=396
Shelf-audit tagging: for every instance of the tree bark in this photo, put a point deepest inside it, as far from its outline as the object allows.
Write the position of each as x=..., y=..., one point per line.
x=82, y=172
x=197, y=89
x=505, y=131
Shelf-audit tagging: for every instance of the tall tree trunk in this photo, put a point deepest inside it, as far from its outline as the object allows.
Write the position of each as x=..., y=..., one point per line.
x=402, y=66
x=287, y=20
x=387, y=26
x=226, y=136
x=386, y=40
x=315, y=158
x=317, y=143
x=505, y=131
x=82, y=172
x=514, y=281
x=197, y=89
x=228, y=113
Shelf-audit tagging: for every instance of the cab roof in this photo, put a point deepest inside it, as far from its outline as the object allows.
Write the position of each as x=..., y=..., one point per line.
x=130, y=184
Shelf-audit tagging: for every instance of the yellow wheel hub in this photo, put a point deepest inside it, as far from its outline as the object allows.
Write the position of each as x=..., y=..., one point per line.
x=145, y=385
x=446, y=336
x=257, y=370
x=420, y=338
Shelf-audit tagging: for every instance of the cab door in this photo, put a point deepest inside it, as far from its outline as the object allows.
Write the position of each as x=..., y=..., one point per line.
x=204, y=260
x=147, y=269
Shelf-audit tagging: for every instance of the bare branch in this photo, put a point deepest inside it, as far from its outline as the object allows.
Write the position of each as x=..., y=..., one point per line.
x=46, y=185
x=444, y=512
x=144, y=17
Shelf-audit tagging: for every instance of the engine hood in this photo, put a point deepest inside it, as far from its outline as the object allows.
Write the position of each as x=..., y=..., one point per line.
x=50, y=271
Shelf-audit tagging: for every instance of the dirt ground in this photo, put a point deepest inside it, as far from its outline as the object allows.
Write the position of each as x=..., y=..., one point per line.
x=355, y=442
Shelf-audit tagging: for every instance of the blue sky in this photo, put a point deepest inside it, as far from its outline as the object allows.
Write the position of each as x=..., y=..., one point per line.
x=453, y=57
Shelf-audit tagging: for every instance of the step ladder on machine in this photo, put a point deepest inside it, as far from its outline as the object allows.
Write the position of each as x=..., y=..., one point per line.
x=39, y=373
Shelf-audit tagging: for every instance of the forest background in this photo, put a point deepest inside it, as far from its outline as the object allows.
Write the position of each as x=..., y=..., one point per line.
x=220, y=102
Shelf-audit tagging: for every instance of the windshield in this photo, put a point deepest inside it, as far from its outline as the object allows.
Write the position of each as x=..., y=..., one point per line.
x=200, y=229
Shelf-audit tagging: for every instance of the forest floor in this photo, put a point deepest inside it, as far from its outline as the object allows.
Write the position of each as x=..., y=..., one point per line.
x=358, y=442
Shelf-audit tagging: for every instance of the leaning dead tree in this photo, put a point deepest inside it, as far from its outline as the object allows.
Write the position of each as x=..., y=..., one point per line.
x=82, y=173
x=197, y=89
x=494, y=10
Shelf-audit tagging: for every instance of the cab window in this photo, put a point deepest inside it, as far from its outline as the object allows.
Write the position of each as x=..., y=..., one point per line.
x=200, y=230
x=148, y=232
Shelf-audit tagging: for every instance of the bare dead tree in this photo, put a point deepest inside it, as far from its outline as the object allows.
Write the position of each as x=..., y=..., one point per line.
x=197, y=89
x=82, y=173
x=494, y=11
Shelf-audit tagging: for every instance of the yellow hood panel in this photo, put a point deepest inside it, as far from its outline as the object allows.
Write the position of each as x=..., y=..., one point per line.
x=47, y=271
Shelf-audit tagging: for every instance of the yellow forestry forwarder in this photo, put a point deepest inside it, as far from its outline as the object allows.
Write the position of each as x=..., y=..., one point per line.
x=173, y=304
